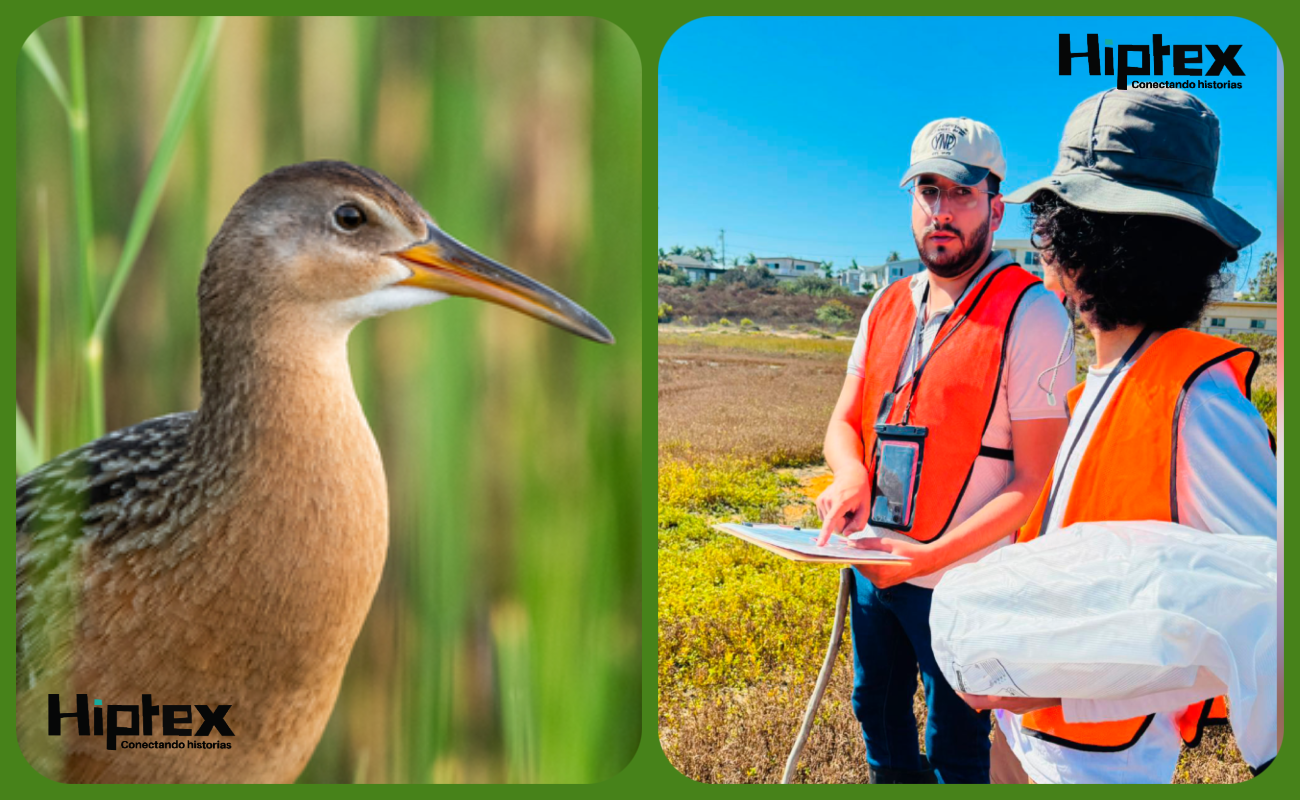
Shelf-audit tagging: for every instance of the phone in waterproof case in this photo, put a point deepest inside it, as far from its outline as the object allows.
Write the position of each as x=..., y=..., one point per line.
x=900, y=450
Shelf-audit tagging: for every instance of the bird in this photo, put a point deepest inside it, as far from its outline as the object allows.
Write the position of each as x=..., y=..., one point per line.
x=213, y=568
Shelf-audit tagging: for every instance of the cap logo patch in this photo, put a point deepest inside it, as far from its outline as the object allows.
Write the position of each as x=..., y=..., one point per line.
x=945, y=138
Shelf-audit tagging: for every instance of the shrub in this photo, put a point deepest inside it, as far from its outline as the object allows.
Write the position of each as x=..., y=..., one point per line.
x=1265, y=401
x=685, y=319
x=750, y=276
x=665, y=312
x=1263, y=343
x=764, y=307
x=815, y=286
x=834, y=313
x=724, y=322
x=747, y=323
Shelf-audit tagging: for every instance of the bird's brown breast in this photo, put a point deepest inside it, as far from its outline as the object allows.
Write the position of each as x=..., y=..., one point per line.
x=255, y=603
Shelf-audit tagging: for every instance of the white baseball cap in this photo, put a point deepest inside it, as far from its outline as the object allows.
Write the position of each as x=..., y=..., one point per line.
x=958, y=148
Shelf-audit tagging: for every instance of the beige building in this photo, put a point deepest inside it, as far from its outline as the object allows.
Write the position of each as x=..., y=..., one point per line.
x=1239, y=316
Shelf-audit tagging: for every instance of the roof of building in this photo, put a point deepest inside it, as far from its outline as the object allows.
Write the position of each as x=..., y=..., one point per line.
x=691, y=262
x=1247, y=303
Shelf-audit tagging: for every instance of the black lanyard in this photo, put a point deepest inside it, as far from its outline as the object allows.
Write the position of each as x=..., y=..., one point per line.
x=1083, y=426
x=887, y=402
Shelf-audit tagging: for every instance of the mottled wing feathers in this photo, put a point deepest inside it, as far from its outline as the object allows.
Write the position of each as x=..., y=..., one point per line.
x=104, y=489
x=118, y=491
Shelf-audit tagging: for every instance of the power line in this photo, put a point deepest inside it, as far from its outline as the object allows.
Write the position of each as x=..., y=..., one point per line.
x=796, y=239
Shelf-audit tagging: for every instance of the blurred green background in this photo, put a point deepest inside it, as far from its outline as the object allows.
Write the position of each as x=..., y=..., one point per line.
x=504, y=644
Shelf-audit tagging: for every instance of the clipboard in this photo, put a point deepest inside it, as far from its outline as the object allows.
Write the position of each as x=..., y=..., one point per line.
x=798, y=544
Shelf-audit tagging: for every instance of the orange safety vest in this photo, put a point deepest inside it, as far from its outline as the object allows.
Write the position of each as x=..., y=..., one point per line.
x=958, y=388
x=1129, y=472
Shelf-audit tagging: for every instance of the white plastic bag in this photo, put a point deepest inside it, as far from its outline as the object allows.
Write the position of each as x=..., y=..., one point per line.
x=1118, y=610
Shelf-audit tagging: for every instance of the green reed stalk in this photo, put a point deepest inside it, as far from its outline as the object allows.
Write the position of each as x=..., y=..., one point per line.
x=514, y=685
x=446, y=585
x=187, y=92
x=25, y=459
x=79, y=133
x=43, y=330
x=95, y=318
x=34, y=49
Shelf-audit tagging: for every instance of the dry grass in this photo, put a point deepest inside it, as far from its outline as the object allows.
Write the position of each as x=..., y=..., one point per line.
x=768, y=307
x=745, y=736
x=742, y=632
x=754, y=396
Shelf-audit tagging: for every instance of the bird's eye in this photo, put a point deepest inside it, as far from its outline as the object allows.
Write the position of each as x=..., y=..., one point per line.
x=349, y=217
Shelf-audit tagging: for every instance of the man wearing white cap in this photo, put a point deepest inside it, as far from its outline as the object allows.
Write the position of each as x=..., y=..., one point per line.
x=940, y=442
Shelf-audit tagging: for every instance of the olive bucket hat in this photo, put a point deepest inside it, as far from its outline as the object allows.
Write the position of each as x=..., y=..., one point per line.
x=1143, y=151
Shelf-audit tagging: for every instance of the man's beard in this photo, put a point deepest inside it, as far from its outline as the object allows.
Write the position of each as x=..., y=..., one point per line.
x=950, y=264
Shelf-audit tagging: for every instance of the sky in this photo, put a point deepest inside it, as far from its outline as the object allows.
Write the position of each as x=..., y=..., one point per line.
x=792, y=133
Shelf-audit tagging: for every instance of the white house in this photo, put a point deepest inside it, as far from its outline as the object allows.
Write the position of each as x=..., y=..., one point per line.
x=850, y=279
x=878, y=277
x=697, y=271
x=788, y=268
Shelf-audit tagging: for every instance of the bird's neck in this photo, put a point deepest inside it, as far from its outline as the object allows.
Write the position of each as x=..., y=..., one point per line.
x=283, y=394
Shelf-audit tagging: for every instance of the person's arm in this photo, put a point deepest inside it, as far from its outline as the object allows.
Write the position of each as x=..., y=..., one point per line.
x=1040, y=364
x=1227, y=473
x=1226, y=484
x=843, y=450
x=1035, y=443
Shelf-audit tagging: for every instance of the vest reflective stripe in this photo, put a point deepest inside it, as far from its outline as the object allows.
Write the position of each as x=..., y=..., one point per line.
x=957, y=390
x=1129, y=472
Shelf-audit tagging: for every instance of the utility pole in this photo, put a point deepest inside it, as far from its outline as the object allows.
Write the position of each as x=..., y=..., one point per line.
x=722, y=238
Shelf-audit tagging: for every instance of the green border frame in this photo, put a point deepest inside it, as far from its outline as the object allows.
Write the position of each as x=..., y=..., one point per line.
x=649, y=27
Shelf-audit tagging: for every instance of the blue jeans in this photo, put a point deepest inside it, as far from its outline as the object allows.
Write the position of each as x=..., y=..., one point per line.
x=891, y=639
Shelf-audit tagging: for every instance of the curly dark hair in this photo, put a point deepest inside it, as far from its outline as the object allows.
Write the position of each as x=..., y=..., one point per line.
x=1130, y=269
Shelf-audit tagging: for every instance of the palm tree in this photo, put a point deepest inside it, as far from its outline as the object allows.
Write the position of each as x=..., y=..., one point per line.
x=677, y=250
x=893, y=256
x=751, y=260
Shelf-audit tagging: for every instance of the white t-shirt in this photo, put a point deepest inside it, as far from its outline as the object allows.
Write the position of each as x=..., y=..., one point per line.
x=1036, y=365
x=1226, y=483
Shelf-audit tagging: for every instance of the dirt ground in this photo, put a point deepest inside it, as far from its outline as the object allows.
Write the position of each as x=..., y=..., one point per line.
x=721, y=401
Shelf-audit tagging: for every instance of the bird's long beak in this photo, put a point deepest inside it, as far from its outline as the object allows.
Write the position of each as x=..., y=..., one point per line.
x=443, y=264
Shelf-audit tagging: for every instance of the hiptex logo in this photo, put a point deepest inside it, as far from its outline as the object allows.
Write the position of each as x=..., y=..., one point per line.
x=1152, y=62
x=175, y=722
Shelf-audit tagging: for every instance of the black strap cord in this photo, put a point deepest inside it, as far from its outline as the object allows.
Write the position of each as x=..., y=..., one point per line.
x=1083, y=425
x=915, y=380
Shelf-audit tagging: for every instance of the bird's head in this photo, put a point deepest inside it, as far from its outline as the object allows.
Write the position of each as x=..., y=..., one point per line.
x=335, y=243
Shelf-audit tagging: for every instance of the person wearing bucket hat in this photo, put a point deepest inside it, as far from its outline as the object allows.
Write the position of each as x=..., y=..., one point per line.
x=988, y=341
x=1163, y=427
